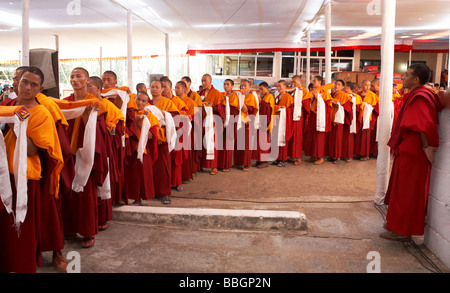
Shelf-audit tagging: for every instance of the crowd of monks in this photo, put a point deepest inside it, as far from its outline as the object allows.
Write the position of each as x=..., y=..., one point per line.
x=104, y=145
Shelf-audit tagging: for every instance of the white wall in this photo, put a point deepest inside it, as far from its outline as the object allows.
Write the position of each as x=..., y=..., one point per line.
x=437, y=230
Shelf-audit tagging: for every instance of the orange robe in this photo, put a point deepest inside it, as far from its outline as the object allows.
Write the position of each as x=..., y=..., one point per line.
x=225, y=155
x=315, y=141
x=243, y=152
x=177, y=155
x=266, y=110
x=139, y=179
x=336, y=136
x=162, y=170
x=18, y=254
x=286, y=101
x=186, y=166
x=214, y=99
x=364, y=138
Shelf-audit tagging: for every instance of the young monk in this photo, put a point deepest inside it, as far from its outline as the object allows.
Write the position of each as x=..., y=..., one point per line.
x=286, y=101
x=212, y=98
x=352, y=123
x=191, y=109
x=19, y=248
x=301, y=114
x=319, y=122
x=342, y=105
x=196, y=138
x=243, y=153
x=80, y=208
x=225, y=160
x=139, y=182
x=266, y=110
x=162, y=167
x=177, y=154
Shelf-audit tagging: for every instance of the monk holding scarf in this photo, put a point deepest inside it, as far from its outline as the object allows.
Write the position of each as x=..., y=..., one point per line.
x=284, y=107
x=214, y=104
x=19, y=248
x=139, y=167
x=414, y=141
x=362, y=139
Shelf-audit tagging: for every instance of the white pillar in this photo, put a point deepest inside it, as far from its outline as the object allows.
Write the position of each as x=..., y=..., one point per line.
x=56, y=42
x=167, y=55
x=328, y=43
x=308, y=58
x=188, y=64
x=295, y=63
x=438, y=71
x=25, y=33
x=410, y=58
x=130, y=47
x=356, y=60
x=101, y=61
x=385, y=104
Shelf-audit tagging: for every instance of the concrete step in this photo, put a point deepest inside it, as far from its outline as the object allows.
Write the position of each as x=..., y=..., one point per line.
x=213, y=218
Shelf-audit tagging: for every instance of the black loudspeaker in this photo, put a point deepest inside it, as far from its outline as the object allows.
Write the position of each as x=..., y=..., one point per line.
x=47, y=60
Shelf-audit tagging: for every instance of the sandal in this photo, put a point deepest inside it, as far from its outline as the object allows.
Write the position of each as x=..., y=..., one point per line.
x=213, y=171
x=281, y=164
x=364, y=158
x=246, y=168
x=166, y=200
x=298, y=162
x=88, y=242
x=179, y=188
x=103, y=227
x=136, y=203
x=226, y=170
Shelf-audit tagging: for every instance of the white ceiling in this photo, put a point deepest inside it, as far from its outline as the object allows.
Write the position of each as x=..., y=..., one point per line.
x=200, y=24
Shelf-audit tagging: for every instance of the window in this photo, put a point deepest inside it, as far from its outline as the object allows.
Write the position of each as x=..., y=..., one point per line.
x=287, y=64
x=248, y=64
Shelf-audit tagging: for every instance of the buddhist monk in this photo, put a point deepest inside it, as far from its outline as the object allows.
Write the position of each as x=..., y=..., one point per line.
x=286, y=101
x=80, y=209
x=295, y=146
x=375, y=88
x=186, y=129
x=162, y=167
x=352, y=123
x=229, y=134
x=196, y=137
x=319, y=122
x=139, y=180
x=113, y=117
x=342, y=106
x=176, y=154
x=415, y=139
x=19, y=248
x=249, y=110
x=212, y=98
x=266, y=110
x=362, y=139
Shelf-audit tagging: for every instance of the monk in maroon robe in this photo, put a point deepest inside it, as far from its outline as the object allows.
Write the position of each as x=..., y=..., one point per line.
x=414, y=140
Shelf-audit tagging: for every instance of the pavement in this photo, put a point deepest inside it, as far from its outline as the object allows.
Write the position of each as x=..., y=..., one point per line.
x=297, y=219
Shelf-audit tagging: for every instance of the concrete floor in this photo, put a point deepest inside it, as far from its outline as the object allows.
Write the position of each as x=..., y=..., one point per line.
x=343, y=228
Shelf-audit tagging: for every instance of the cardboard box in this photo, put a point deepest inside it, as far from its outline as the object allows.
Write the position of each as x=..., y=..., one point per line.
x=365, y=76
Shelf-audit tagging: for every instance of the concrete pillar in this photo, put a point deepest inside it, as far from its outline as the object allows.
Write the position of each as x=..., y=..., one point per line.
x=356, y=59
x=167, y=54
x=437, y=228
x=25, y=33
x=384, y=122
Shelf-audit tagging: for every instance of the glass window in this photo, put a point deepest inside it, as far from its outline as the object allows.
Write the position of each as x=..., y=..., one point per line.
x=264, y=66
x=231, y=65
x=247, y=66
x=287, y=66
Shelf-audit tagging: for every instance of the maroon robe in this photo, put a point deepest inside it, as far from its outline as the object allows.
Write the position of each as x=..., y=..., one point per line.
x=263, y=133
x=243, y=157
x=409, y=183
x=315, y=141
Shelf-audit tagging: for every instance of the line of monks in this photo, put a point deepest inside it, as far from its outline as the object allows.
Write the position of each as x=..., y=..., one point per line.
x=104, y=146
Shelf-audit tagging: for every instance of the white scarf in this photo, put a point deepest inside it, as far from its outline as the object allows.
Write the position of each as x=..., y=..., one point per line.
x=282, y=128
x=340, y=114
x=321, y=114
x=125, y=99
x=298, y=97
x=85, y=155
x=146, y=125
x=255, y=96
x=227, y=111
x=353, y=125
x=171, y=132
x=241, y=103
x=104, y=191
x=366, y=115
x=209, y=133
x=20, y=170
